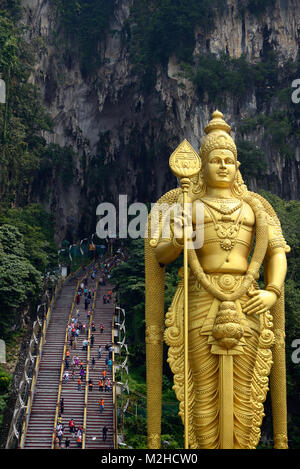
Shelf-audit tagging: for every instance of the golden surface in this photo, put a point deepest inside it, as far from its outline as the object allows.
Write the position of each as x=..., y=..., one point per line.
x=225, y=335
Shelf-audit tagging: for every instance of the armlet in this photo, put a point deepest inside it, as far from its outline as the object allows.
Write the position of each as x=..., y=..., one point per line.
x=276, y=239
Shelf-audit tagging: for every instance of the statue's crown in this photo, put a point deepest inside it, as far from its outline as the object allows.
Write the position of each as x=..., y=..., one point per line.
x=218, y=136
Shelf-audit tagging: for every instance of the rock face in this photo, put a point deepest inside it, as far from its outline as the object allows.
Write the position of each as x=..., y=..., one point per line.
x=122, y=137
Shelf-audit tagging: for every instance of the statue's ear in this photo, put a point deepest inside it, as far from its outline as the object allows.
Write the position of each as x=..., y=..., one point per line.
x=238, y=164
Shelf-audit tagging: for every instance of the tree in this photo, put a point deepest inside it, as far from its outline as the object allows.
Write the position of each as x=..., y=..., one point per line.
x=36, y=227
x=20, y=282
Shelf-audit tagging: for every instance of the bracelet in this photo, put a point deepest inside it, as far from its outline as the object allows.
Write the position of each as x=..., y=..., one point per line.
x=176, y=244
x=274, y=289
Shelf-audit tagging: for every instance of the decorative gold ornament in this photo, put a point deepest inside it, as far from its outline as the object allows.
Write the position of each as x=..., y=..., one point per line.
x=225, y=335
x=184, y=161
x=223, y=208
x=154, y=334
x=228, y=230
x=217, y=138
x=154, y=440
x=227, y=329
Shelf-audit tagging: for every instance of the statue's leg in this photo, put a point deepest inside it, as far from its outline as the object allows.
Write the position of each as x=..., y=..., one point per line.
x=243, y=370
x=204, y=367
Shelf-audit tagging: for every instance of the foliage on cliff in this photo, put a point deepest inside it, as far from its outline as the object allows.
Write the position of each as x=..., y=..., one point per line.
x=25, y=154
x=84, y=24
x=157, y=29
x=27, y=236
x=255, y=7
x=269, y=80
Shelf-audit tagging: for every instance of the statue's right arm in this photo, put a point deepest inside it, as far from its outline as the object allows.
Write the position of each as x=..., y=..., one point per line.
x=168, y=249
x=166, y=252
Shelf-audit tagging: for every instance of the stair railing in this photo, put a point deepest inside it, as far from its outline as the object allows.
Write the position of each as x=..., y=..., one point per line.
x=38, y=357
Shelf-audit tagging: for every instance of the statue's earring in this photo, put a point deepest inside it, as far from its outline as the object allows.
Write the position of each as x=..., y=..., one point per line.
x=199, y=186
x=239, y=188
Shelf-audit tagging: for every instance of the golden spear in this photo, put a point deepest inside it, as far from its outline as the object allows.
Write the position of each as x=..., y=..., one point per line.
x=185, y=163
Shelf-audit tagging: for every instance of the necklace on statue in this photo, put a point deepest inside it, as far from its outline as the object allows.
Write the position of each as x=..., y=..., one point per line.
x=228, y=230
x=222, y=207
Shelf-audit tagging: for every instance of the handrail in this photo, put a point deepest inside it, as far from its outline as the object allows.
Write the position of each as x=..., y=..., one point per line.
x=59, y=285
x=88, y=369
x=114, y=386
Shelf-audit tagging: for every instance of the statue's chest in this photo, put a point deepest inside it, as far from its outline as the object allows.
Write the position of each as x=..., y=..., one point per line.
x=228, y=216
x=228, y=226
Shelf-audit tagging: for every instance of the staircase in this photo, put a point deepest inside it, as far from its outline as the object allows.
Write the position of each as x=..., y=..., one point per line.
x=40, y=427
x=95, y=422
x=42, y=419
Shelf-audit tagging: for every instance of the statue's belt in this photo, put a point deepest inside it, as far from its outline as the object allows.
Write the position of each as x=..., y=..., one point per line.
x=222, y=322
x=228, y=283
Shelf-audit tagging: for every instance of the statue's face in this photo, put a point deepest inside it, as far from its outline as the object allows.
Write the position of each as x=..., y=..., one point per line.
x=220, y=169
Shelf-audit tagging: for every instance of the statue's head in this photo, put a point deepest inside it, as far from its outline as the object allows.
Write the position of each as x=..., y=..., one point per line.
x=218, y=153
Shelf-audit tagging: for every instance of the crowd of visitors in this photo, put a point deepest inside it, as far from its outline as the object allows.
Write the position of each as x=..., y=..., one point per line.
x=82, y=326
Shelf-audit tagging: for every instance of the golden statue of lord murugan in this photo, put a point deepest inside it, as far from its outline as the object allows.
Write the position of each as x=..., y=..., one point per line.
x=225, y=334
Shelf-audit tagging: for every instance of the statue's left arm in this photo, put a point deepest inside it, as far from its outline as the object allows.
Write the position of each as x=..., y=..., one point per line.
x=275, y=272
x=276, y=264
x=272, y=299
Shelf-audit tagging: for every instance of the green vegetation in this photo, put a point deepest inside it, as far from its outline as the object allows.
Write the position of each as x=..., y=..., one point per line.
x=12, y=345
x=256, y=7
x=36, y=227
x=27, y=164
x=251, y=157
x=156, y=29
x=159, y=28
x=27, y=161
x=84, y=24
x=27, y=252
x=5, y=383
x=20, y=282
x=128, y=280
x=280, y=129
x=217, y=76
x=59, y=162
x=272, y=87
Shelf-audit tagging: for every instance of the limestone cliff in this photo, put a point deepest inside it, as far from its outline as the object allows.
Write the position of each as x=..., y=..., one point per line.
x=123, y=136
